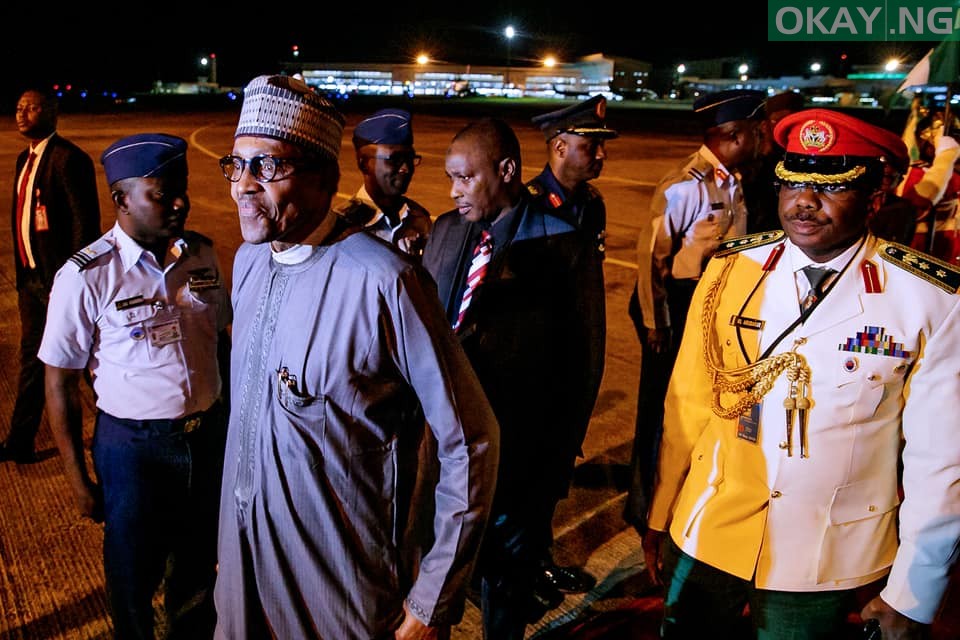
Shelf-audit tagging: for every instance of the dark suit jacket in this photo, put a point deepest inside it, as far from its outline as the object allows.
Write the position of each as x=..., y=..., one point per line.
x=66, y=184
x=528, y=336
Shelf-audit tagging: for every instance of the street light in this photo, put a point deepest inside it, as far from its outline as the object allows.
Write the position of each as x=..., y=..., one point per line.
x=815, y=67
x=550, y=62
x=210, y=61
x=743, y=68
x=423, y=59
x=509, y=32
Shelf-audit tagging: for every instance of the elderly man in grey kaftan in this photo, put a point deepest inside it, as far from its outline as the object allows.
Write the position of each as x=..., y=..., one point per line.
x=341, y=354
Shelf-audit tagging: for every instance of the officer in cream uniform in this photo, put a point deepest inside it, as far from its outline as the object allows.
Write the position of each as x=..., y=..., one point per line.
x=145, y=310
x=778, y=473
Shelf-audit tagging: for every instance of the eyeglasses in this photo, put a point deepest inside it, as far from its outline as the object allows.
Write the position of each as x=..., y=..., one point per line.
x=397, y=160
x=817, y=188
x=263, y=168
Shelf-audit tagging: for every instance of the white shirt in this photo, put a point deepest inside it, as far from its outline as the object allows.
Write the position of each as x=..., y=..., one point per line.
x=148, y=334
x=379, y=225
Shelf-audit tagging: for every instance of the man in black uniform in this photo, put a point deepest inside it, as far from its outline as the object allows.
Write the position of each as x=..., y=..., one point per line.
x=576, y=137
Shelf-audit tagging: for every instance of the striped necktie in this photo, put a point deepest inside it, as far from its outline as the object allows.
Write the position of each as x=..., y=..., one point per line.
x=22, y=212
x=478, y=270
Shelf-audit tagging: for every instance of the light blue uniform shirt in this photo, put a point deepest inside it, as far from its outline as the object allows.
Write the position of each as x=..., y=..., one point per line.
x=148, y=334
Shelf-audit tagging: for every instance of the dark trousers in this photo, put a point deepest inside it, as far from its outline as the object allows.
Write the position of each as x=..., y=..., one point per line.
x=704, y=602
x=27, y=411
x=509, y=565
x=655, y=372
x=161, y=495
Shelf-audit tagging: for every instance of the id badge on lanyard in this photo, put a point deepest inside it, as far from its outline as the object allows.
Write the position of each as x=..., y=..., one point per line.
x=164, y=328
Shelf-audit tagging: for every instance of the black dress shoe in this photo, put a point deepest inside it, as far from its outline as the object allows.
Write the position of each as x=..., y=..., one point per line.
x=544, y=598
x=569, y=579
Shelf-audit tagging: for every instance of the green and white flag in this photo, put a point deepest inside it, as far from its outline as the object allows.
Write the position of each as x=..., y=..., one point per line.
x=940, y=66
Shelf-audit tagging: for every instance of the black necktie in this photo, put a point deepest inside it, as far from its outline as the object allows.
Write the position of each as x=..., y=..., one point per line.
x=817, y=276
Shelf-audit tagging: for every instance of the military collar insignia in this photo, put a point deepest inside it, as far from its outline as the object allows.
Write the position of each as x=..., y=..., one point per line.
x=735, y=245
x=934, y=271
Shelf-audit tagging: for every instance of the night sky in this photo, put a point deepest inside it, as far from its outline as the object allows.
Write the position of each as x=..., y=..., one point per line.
x=132, y=45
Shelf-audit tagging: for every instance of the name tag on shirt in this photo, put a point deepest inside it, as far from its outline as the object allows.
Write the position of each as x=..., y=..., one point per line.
x=746, y=323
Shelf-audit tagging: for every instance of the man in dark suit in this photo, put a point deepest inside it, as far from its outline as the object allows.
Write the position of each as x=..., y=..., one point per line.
x=516, y=306
x=55, y=213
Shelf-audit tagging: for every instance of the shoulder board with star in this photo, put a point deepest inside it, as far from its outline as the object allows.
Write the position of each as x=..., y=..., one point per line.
x=936, y=272
x=86, y=256
x=741, y=243
x=534, y=189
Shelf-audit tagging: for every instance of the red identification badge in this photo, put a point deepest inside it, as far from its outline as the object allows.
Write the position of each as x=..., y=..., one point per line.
x=40, y=222
x=871, y=278
x=554, y=200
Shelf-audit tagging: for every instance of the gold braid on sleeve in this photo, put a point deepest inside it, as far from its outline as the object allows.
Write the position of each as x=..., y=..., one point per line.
x=752, y=382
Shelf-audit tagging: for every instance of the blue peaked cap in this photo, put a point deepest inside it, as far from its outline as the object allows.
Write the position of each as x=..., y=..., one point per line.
x=145, y=155
x=727, y=106
x=387, y=126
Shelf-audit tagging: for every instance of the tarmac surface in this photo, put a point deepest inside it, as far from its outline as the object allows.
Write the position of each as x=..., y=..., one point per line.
x=51, y=577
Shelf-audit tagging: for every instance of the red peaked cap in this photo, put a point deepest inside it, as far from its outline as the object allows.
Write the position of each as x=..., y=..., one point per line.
x=831, y=147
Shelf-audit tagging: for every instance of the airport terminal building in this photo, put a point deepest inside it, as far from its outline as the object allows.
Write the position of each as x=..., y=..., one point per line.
x=614, y=77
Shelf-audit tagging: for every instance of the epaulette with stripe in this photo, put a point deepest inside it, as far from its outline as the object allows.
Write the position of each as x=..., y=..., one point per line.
x=698, y=168
x=85, y=257
x=936, y=272
x=735, y=245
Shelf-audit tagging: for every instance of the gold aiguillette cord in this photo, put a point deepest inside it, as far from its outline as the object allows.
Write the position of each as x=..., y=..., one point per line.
x=752, y=382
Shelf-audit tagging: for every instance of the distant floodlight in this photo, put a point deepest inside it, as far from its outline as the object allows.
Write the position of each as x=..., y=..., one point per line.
x=681, y=68
x=815, y=67
x=509, y=31
x=742, y=69
x=549, y=61
x=891, y=65
x=423, y=58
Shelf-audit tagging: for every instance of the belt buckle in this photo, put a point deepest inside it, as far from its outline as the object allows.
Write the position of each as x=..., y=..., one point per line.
x=192, y=424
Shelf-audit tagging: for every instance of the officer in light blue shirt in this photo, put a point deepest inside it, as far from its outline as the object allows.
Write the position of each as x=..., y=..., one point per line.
x=145, y=310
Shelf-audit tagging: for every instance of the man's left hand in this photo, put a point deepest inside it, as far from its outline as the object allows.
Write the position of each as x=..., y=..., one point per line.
x=412, y=628
x=893, y=624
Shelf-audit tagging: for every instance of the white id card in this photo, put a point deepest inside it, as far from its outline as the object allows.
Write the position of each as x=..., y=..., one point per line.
x=164, y=333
